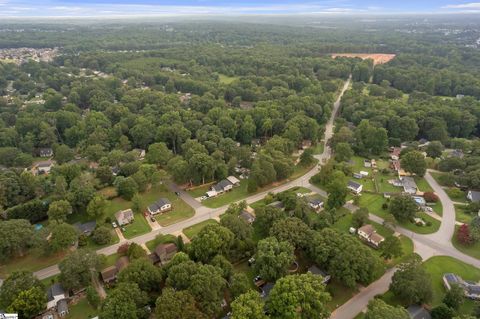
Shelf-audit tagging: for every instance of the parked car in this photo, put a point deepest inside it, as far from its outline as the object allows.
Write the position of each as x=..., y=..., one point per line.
x=152, y=219
x=177, y=193
x=114, y=224
x=203, y=197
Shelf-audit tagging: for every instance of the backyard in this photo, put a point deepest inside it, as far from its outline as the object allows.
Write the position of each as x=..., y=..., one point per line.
x=32, y=261
x=81, y=310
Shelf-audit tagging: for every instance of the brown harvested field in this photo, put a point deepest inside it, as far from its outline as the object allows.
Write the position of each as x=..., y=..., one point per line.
x=378, y=58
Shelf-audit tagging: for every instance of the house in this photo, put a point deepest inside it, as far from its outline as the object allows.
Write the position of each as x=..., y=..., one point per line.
x=211, y=194
x=266, y=289
x=471, y=289
x=86, y=228
x=45, y=152
x=319, y=272
x=357, y=175
x=165, y=252
x=395, y=165
x=473, y=196
x=409, y=185
x=222, y=186
x=140, y=153
x=306, y=144
x=355, y=187
x=122, y=263
x=247, y=216
x=57, y=299
x=395, y=153
x=315, y=203
x=109, y=274
x=367, y=163
x=160, y=206
x=124, y=217
x=456, y=153
x=233, y=180
x=418, y=312
x=44, y=167
x=277, y=204
x=369, y=234
x=363, y=173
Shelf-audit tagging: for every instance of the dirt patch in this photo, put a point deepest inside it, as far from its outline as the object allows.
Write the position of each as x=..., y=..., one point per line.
x=378, y=58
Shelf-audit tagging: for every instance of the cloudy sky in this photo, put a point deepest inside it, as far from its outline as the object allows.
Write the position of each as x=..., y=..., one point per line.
x=86, y=8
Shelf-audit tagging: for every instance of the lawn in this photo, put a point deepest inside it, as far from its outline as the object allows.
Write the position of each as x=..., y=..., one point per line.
x=140, y=226
x=318, y=149
x=110, y=260
x=422, y=184
x=461, y=215
x=374, y=204
x=225, y=79
x=192, y=231
x=47, y=282
x=81, y=310
x=199, y=191
x=236, y=194
x=437, y=266
x=161, y=239
x=340, y=294
x=472, y=250
x=34, y=260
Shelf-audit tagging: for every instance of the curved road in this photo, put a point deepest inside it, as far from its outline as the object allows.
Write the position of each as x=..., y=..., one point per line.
x=426, y=246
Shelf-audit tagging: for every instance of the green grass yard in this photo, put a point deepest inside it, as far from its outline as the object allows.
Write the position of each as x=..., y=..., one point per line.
x=81, y=310
x=225, y=79
x=439, y=265
x=34, y=260
x=192, y=231
x=461, y=215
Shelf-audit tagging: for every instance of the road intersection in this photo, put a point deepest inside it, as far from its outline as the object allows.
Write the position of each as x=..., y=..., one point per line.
x=426, y=246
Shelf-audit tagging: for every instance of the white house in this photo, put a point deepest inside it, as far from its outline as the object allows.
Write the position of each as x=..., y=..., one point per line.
x=355, y=187
x=124, y=217
x=369, y=234
x=160, y=206
x=315, y=203
x=44, y=167
x=233, y=180
x=222, y=186
x=57, y=299
x=473, y=196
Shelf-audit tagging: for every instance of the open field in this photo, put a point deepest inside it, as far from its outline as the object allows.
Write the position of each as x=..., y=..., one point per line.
x=225, y=79
x=33, y=260
x=378, y=58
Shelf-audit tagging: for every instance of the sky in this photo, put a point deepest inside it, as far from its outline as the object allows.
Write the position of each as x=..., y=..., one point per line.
x=118, y=8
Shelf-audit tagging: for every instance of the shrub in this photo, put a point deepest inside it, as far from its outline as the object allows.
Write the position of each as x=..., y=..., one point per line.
x=123, y=248
x=430, y=197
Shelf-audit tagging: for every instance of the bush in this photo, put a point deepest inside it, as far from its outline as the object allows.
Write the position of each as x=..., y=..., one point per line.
x=385, y=206
x=122, y=249
x=82, y=240
x=455, y=193
x=102, y=235
x=430, y=197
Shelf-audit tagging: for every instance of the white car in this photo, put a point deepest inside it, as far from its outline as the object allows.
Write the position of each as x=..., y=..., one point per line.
x=203, y=197
x=114, y=224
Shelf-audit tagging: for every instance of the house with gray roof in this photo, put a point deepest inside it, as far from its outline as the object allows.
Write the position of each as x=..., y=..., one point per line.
x=473, y=196
x=124, y=217
x=222, y=186
x=418, y=312
x=160, y=206
x=315, y=203
x=57, y=299
x=355, y=187
x=314, y=270
x=86, y=228
x=409, y=185
x=247, y=216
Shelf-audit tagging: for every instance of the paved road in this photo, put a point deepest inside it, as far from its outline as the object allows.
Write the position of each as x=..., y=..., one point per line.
x=203, y=213
x=358, y=302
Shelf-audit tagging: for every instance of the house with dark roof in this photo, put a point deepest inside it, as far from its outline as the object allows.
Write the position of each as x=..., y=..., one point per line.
x=165, y=252
x=247, y=216
x=160, y=206
x=45, y=152
x=266, y=289
x=109, y=274
x=222, y=186
x=418, y=312
x=368, y=234
x=57, y=299
x=277, y=204
x=315, y=203
x=124, y=217
x=355, y=187
x=473, y=196
x=319, y=272
x=471, y=289
x=86, y=228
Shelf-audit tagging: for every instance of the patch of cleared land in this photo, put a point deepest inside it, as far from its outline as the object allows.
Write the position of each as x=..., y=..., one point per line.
x=378, y=58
